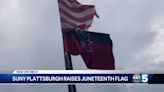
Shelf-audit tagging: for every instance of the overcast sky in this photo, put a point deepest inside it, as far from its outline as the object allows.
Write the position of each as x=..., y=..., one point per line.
x=30, y=38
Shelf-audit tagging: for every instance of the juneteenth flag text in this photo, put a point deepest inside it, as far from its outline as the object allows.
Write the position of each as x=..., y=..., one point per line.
x=69, y=78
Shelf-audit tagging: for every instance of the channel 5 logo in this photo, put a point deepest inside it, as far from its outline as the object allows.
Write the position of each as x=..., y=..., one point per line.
x=140, y=78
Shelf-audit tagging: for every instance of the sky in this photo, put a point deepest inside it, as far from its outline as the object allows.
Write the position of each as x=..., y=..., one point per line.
x=30, y=38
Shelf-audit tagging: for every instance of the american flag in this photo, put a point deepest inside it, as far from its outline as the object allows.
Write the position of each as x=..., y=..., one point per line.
x=76, y=15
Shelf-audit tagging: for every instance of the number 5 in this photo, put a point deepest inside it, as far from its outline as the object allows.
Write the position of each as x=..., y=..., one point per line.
x=144, y=78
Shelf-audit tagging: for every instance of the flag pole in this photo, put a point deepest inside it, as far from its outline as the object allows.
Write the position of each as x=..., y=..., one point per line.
x=68, y=66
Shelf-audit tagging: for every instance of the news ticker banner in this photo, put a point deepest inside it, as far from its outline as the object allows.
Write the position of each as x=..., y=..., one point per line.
x=80, y=77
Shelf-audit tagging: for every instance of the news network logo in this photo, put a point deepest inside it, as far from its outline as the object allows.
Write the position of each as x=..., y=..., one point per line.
x=140, y=78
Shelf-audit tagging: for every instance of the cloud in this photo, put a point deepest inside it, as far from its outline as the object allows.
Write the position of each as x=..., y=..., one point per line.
x=154, y=52
x=130, y=25
x=30, y=38
x=145, y=88
x=33, y=88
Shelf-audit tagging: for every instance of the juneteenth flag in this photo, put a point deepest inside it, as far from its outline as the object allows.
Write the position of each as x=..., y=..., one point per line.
x=95, y=48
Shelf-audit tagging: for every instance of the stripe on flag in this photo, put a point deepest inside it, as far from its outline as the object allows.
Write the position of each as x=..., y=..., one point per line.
x=75, y=15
